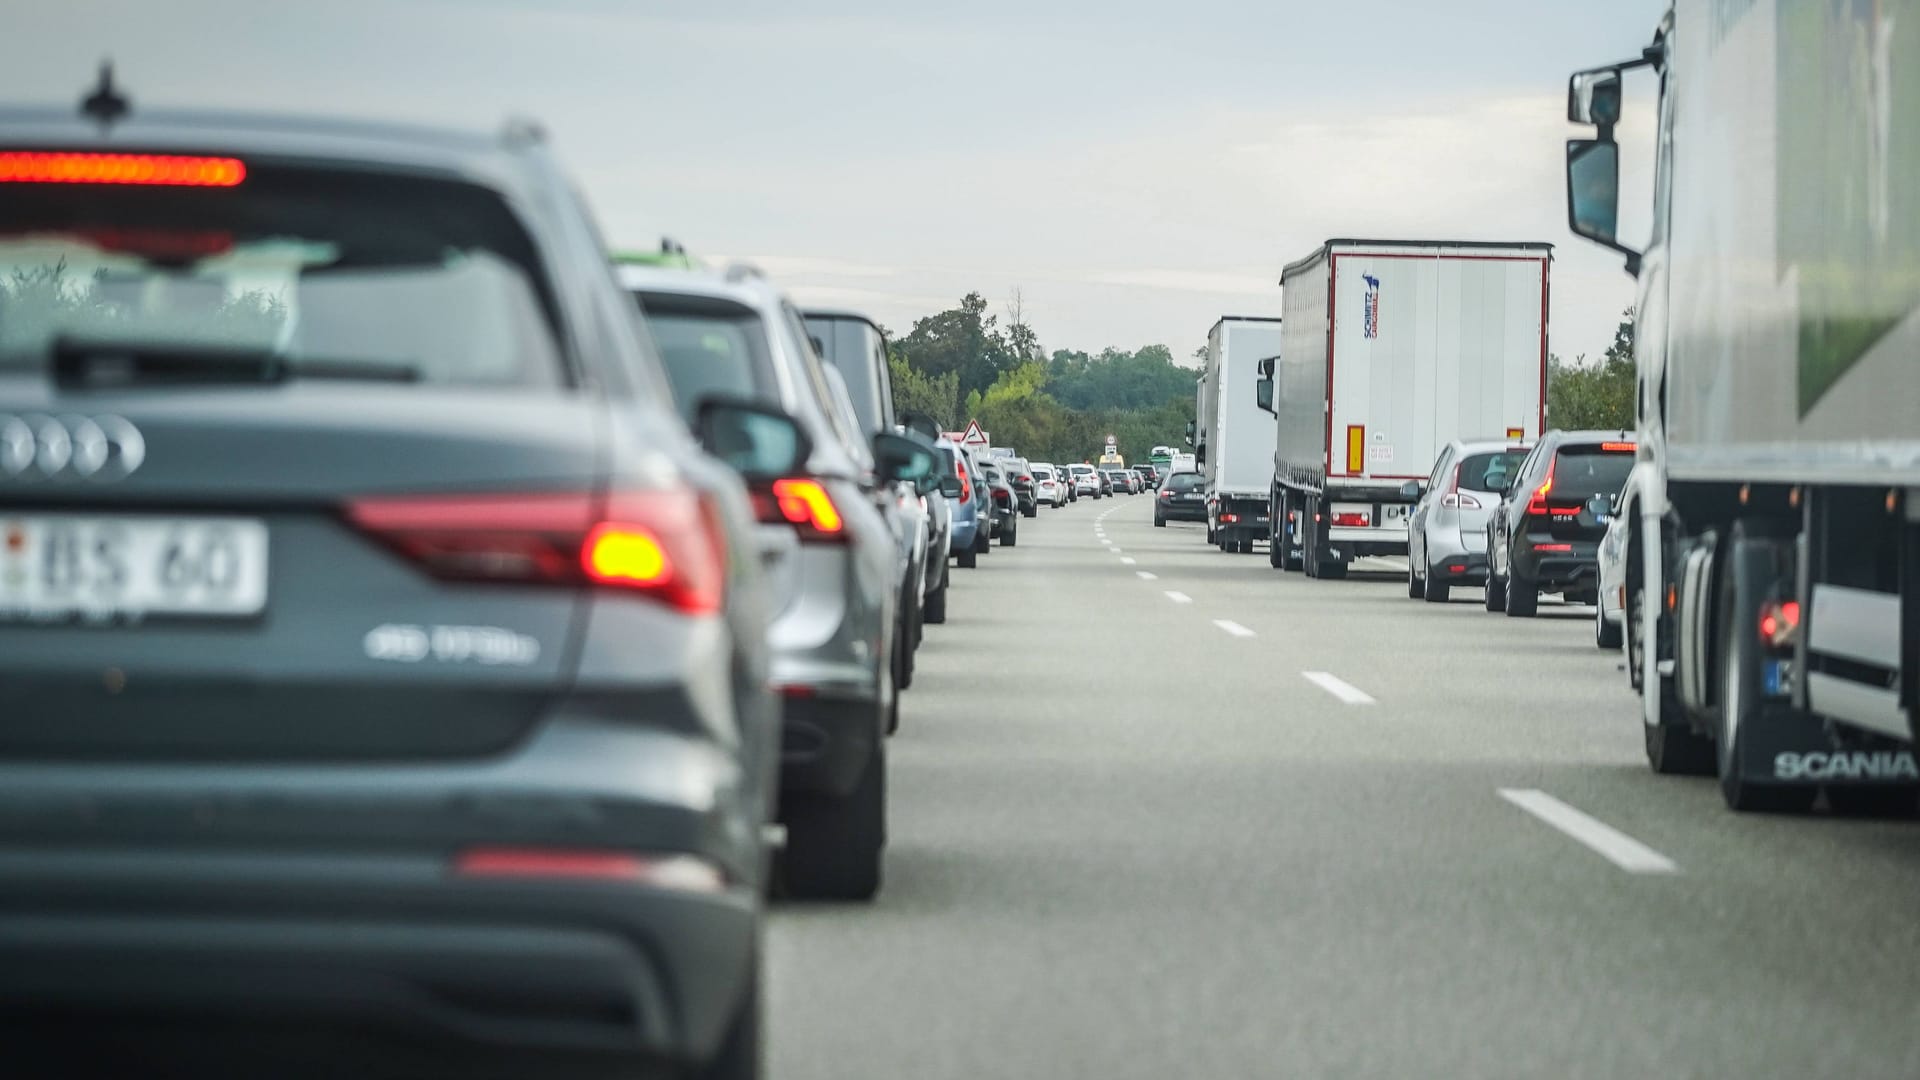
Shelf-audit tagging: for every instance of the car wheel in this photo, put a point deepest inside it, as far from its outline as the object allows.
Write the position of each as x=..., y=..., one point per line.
x=1414, y=589
x=1433, y=589
x=1606, y=635
x=982, y=542
x=1496, y=592
x=935, y=611
x=1523, y=598
x=834, y=845
x=1011, y=536
x=969, y=558
x=742, y=1053
x=1031, y=511
x=1740, y=707
x=1159, y=522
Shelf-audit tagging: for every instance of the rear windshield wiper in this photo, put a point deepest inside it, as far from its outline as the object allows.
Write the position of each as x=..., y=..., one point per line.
x=97, y=363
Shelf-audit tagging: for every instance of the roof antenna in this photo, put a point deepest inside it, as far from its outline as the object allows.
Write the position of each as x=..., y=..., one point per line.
x=106, y=104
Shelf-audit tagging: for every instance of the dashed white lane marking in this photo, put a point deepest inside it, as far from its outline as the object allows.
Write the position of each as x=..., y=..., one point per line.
x=1233, y=628
x=1338, y=687
x=1179, y=597
x=1613, y=845
x=1145, y=575
x=1116, y=551
x=1126, y=560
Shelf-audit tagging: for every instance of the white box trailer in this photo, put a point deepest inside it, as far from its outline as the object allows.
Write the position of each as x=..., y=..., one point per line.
x=1393, y=349
x=1237, y=459
x=1772, y=587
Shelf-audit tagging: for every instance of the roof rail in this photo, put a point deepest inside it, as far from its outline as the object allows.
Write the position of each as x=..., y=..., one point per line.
x=741, y=271
x=523, y=130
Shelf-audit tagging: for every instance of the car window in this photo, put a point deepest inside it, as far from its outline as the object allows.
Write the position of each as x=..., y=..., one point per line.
x=1490, y=471
x=433, y=278
x=1184, y=481
x=709, y=350
x=845, y=346
x=1583, y=470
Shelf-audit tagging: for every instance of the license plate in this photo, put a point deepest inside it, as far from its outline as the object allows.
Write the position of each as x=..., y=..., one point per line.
x=59, y=566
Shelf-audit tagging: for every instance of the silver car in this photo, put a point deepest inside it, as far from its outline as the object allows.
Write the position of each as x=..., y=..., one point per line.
x=1049, y=486
x=829, y=553
x=1447, y=532
x=1607, y=615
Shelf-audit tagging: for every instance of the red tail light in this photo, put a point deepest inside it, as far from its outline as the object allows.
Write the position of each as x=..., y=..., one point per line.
x=1553, y=547
x=806, y=504
x=664, y=544
x=1353, y=520
x=966, y=482
x=1166, y=493
x=683, y=872
x=1229, y=518
x=1537, y=505
x=1780, y=622
x=1024, y=479
x=167, y=170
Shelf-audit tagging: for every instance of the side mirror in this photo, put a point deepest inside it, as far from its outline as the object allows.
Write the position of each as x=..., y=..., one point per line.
x=1593, y=97
x=1410, y=490
x=1593, y=189
x=950, y=486
x=901, y=459
x=1189, y=433
x=921, y=424
x=757, y=441
x=1263, y=394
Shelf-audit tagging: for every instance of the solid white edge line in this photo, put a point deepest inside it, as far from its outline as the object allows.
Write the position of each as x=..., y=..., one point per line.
x=1338, y=687
x=1613, y=845
x=1233, y=628
x=1147, y=576
x=1179, y=597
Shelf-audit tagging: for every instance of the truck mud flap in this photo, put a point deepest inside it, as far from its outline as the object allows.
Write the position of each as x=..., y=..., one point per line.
x=1788, y=746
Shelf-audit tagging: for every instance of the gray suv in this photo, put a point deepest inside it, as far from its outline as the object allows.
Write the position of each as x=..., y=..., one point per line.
x=830, y=553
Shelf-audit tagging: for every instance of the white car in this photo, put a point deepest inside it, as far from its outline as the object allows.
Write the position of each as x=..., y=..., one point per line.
x=1049, y=487
x=1607, y=613
x=1085, y=480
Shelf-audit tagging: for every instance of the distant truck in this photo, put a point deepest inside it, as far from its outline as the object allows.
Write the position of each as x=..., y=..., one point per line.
x=1393, y=349
x=1235, y=452
x=1772, y=585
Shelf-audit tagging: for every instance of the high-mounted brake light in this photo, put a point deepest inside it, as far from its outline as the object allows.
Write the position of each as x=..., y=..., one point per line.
x=661, y=544
x=1553, y=547
x=1780, y=622
x=1618, y=448
x=158, y=170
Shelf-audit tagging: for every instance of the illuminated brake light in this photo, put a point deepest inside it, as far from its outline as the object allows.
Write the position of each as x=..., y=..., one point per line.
x=1229, y=518
x=1780, y=623
x=1618, y=448
x=685, y=873
x=966, y=484
x=1352, y=520
x=1537, y=505
x=806, y=502
x=616, y=554
x=161, y=170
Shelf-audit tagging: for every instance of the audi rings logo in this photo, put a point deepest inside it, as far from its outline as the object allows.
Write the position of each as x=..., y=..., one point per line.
x=39, y=447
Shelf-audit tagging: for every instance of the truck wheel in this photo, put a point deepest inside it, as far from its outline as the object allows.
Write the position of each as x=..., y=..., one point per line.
x=1433, y=589
x=1159, y=522
x=1744, y=577
x=1673, y=750
x=1277, y=552
x=834, y=845
x=1523, y=598
x=1496, y=593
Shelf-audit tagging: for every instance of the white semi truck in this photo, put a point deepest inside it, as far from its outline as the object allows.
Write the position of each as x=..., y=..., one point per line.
x=1393, y=349
x=1236, y=451
x=1773, y=579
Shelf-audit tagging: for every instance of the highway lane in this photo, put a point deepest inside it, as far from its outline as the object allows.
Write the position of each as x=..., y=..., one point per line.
x=1272, y=826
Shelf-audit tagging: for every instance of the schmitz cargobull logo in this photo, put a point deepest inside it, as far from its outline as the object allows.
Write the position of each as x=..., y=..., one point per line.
x=1370, y=314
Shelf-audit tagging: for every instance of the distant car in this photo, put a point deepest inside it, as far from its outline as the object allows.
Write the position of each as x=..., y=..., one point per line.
x=1545, y=537
x=1086, y=480
x=1049, y=488
x=971, y=514
x=1121, y=481
x=1447, y=531
x=1020, y=474
x=1149, y=480
x=1182, y=498
x=1608, y=612
x=934, y=500
x=1006, y=504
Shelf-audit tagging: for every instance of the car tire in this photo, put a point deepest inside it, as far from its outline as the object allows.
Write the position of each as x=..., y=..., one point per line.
x=834, y=845
x=1011, y=536
x=1415, y=590
x=1433, y=590
x=742, y=1052
x=969, y=558
x=1606, y=635
x=1523, y=598
x=1159, y=522
x=1031, y=511
x=982, y=541
x=935, y=610
x=1743, y=576
x=1496, y=593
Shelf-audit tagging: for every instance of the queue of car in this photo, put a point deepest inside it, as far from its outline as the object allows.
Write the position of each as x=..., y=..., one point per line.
x=413, y=618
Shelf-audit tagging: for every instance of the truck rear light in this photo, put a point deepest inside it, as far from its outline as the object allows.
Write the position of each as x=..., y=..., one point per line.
x=663, y=544
x=680, y=872
x=1780, y=623
x=1352, y=520
x=1553, y=547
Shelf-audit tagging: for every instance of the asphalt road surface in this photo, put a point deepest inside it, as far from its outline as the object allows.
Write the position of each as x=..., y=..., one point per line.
x=1159, y=811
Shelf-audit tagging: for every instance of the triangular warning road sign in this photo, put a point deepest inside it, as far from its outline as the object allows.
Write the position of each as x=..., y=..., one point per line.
x=974, y=436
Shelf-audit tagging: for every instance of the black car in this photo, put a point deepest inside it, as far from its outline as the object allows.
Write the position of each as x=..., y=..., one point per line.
x=1545, y=535
x=1182, y=497
x=1020, y=475
x=1006, y=504
x=384, y=665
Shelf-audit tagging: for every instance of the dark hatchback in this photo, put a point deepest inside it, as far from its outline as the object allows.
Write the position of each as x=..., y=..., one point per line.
x=1545, y=535
x=383, y=677
x=1182, y=497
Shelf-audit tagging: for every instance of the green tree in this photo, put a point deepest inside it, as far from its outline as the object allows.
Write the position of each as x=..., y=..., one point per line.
x=1581, y=394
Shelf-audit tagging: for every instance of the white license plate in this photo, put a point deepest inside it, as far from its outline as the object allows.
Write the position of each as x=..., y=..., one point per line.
x=56, y=566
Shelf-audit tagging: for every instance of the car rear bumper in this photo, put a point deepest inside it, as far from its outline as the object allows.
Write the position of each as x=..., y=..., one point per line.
x=1178, y=511
x=365, y=959
x=1578, y=567
x=1452, y=557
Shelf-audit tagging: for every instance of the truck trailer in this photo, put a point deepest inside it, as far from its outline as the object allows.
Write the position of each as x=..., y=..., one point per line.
x=1393, y=349
x=1772, y=586
x=1236, y=456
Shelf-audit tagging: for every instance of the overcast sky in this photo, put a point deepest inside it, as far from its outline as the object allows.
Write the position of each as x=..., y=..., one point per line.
x=1134, y=169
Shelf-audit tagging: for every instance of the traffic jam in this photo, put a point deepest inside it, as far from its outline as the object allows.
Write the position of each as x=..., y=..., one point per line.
x=435, y=642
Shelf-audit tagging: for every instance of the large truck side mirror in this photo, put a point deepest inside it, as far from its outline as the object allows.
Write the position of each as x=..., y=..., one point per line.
x=1189, y=433
x=1263, y=395
x=1593, y=165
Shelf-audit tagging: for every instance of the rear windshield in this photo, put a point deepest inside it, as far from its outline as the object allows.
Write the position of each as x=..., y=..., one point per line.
x=991, y=473
x=1184, y=481
x=1581, y=472
x=1489, y=472
x=843, y=345
x=433, y=280
x=1041, y=472
x=710, y=350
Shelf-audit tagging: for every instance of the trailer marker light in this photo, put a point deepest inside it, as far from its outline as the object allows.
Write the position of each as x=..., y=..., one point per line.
x=1516, y=434
x=1356, y=449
